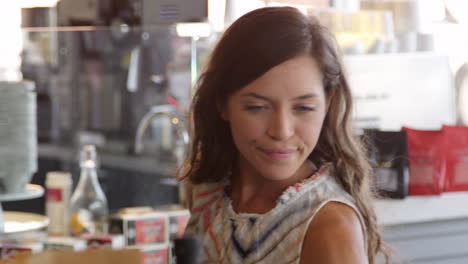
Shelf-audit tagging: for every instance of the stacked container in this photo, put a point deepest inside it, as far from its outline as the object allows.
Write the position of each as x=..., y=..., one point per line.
x=18, y=135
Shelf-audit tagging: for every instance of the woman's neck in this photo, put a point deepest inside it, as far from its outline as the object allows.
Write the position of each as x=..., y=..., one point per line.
x=253, y=193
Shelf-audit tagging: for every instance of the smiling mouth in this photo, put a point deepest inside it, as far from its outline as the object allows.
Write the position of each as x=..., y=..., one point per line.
x=278, y=154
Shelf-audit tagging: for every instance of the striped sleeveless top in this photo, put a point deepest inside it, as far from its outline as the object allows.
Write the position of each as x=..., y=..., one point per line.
x=273, y=237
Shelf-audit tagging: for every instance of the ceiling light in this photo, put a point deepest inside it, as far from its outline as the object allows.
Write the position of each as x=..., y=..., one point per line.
x=36, y=3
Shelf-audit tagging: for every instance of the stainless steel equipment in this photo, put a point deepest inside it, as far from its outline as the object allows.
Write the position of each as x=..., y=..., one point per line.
x=179, y=150
x=173, y=11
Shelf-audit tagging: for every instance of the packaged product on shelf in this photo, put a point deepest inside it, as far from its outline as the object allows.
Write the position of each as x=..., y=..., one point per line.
x=112, y=241
x=456, y=157
x=148, y=227
x=178, y=219
x=9, y=249
x=426, y=160
x=65, y=243
x=389, y=157
x=58, y=192
x=154, y=253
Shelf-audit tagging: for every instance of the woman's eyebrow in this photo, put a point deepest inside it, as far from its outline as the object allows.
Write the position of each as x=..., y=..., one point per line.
x=306, y=96
x=261, y=97
x=257, y=96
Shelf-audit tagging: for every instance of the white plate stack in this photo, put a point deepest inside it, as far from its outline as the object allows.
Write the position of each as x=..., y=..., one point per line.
x=18, y=135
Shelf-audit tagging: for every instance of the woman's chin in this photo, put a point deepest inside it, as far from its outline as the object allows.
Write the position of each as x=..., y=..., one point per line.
x=277, y=174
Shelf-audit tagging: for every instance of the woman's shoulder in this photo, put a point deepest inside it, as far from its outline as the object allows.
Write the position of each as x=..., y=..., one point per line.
x=201, y=193
x=335, y=235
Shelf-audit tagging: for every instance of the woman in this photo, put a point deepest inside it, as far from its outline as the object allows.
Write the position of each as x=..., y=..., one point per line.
x=275, y=174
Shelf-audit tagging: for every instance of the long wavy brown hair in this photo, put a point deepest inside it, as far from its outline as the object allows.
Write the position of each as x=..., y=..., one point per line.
x=250, y=47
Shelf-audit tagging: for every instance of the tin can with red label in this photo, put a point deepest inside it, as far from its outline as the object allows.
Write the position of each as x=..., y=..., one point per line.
x=58, y=191
x=155, y=253
x=178, y=220
x=9, y=250
x=147, y=228
x=113, y=241
x=65, y=243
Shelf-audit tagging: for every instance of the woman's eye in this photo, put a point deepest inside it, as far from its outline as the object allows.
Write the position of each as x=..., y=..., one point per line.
x=305, y=108
x=255, y=108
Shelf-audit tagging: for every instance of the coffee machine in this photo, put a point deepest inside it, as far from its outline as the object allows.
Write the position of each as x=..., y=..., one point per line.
x=112, y=66
x=99, y=66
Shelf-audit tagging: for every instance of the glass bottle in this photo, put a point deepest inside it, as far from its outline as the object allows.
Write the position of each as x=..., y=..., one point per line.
x=88, y=205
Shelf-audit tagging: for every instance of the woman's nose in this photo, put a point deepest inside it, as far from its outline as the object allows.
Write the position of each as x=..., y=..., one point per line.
x=280, y=126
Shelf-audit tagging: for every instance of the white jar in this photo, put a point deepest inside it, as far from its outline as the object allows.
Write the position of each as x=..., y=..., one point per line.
x=58, y=192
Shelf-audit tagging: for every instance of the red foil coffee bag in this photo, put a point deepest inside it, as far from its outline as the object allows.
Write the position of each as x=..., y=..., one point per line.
x=456, y=155
x=426, y=162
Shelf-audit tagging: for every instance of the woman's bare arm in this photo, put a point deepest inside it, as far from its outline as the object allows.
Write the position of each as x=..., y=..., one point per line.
x=334, y=237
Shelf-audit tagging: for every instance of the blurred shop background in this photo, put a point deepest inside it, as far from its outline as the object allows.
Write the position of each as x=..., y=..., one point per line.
x=119, y=74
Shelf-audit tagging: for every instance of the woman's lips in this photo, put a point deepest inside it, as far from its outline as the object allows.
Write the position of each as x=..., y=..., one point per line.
x=278, y=154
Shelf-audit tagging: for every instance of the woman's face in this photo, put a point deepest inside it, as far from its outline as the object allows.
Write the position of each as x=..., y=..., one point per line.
x=276, y=120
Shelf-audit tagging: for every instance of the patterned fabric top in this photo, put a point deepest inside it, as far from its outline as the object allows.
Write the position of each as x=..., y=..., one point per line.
x=273, y=237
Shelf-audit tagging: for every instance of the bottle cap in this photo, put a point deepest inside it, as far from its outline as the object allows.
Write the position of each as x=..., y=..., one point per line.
x=88, y=156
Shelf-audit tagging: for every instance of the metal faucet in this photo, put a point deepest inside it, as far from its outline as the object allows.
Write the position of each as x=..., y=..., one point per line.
x=166, y=110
